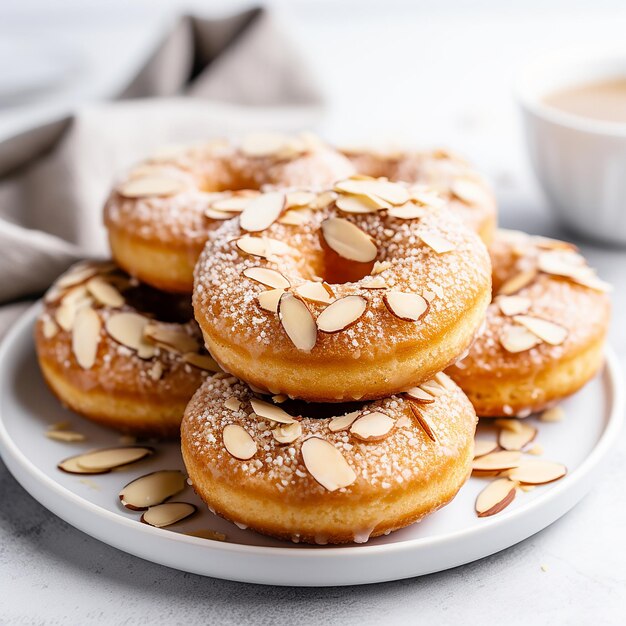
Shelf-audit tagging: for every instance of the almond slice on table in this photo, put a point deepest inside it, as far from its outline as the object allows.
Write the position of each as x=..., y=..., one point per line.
x=537, y=472
x=513, y=305
x=407, y=211
x=348, y=240
x=497, y=461
x=238, y=442
x=376, y=282
x=495, y=497
x=518, y=282
x=359, y=204
x=343, y=422
x=297, y=321
x=268, y=300
x=410, y=307
x=104, y=460
x=287, y=433
x=436, y=242
x=152, y=489
x=483, y=447
x=128, y=329
x=516, y=339
x=419, y=395
x=393, y=193
x=86, y=337
x=167, y=514
x=551, y=333
x=172, y=336
x=423, y=421
x=202, y=361
x=150, y=186
x=326, y=464
x=261, y=212
x=267, y=276
x=104, y=293
x=517, y=439
x=315, y=291
x=270, y=412
x=341, y=314
x=374, y=426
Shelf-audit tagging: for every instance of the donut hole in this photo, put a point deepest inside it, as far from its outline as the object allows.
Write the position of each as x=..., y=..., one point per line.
x=159, y=305
x=318, y=410
x=336, y=270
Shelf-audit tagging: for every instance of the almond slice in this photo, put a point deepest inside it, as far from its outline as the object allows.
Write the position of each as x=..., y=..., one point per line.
x=267, y=277
x=374, y=426
x=379, y=267
x=167, y=514
x=376, y=282
x=316, y=292
x=343, y=422
x=86, y=337
x=497, y=461
x=547, y=331
x=150, y=186
x=348, y=240
x=300, y=198
x=232, y=404
x=152, y=489
x=104, y=460
x=156, y=371
x=341, y=314
x=297, y=321
x=326, y=464
x=263, y=144
x=433, y=387
x=517, y=282
x=323, y=200
x=268, y=300
x=380, y=188
x=104, y=293
x=420, y=395
x=261, y=212
x=516, y=339
x=593, y=282
x=202, y=361
x=445, y=381
x=483, y=447
x=357, y=204
x=423, y=422
x=436, y=242
x=263, y=247
x=234, y=204
x=214, y=214
x=562, y=263
x=49, y=327
x=554, y=414
x=513, y=305
x=407, y=211
x=270, y=412
x=495, y=497
x=538, y=472
x=410, y=307
x=173, y=336
x=296, y=217
x=77, y=274
x=238, y=442
x=427, y=197
x=128, y=329
x=287, y=433
x=469, y=191
x=66, y=436
x=516, y=440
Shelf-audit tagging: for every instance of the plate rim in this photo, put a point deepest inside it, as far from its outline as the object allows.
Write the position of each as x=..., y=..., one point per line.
x=8, y=448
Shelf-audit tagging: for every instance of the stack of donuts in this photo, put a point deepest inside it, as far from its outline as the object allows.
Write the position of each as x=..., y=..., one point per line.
x=322, y=322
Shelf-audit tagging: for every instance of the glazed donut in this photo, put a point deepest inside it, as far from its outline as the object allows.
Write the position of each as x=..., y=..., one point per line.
x=366, y=291
x=545, y=329
x=467, y=192
x=160, y=212
x=314, y=478
x=120, y=353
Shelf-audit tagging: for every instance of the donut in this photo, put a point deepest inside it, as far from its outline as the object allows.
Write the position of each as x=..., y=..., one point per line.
x=327, y=473
x=364, y=292
x=544, y=333
x=467, y=192
x=159, y=213
x=120, y=353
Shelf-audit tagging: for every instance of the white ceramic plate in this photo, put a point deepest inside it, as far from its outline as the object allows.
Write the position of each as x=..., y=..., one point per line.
x=450, y=537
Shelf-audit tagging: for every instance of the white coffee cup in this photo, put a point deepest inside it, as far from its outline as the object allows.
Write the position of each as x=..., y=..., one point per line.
x=580, y=162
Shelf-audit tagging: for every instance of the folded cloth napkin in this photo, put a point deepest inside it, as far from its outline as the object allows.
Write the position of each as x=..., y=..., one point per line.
x=208, y=78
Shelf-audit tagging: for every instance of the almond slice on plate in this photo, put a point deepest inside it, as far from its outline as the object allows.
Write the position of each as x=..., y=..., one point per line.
x=297, y=321
x=436, y=242
x=497, y=461
x=152, y=489
x=553, y=414
x=419, y=395
x=376, y=282
x=173, y=336
x=104, y=293
x=168, y=513
x=483, y=447
x=86, y=337
x=343, y=422
x=316, y=292
x=261, y=212
x=128, y=329
x=537, y=472
x=518, y=282
x=238, y=442
x=150, y=186
x=66, y=436
x=407, y=211
x=267, y=276
x=551, y=333
x=358, y=204
x=410, y=307
x=374, y=426
x=287, y=433
x=516, y=440
x=423, y=421
x=377, y=187
x=348, y=240
x=516, y=339
x=513, y=305
x=104, y=460
x=270, y=411
x=202, y=361
x=341, y=314
x=495, y=497
x=326, y=464
x=268, y=300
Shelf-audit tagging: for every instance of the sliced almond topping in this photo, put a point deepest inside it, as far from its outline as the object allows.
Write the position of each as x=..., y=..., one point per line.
x=214, y=214
x=517, y=282
x=593, y=282
x=436, y=242
x=150, y=186
x=300, y=198
x=270, y=412
x=267, y=277
x=511, y=424
x=279, y=398
x=497, y=461
x=297, y=321
x=407, y=211
x=296, y=217
x=264, y=144
x=562, y=263
x=535, y=449
x=103, y=461
x=357, y=204
x=104, y=293
x=287, y=433
x=128, y=329
x=263, y=247
x=49, y=327
x=348, y=240
x=239, y=442
x=433, y=387
x=316, y=292
x=71, y=303
x=547, y=331
x=152, y=489
x=380, y=267
x=167, y=514
x=376, y=282
x=483, y=447
x=445, y=381
x=77, y=274
x=201, y=361
x=268, y=300
x=343, y=422
x=513, y=305
x=410, y=307
x=235, y=203
x=423, y=421
x=469, y=191
x=517, y=339
x=86, y=337
x=516, y=440
x=554, y=414
x=374, y=426
x=427, y=197
x=538, y=472
x=66, y=436
x=262, y=211
x=156, y=371
x=173, y=336
x=326, y=464
x=380, y=188
x=495, y=497
x=341, y=314
x=232, y=404
x=418, y=394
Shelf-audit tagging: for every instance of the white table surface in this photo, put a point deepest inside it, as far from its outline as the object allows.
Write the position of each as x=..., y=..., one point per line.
x=427, y=72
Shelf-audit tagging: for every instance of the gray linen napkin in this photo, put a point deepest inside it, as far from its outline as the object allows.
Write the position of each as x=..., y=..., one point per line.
x=208, y=78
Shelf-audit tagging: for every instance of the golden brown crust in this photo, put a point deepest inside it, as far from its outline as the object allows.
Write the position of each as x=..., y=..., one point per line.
x=399, y=479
